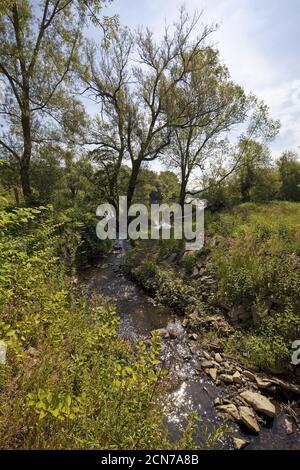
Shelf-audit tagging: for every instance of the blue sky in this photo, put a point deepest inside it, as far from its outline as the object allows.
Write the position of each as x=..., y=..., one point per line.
x=258, y=41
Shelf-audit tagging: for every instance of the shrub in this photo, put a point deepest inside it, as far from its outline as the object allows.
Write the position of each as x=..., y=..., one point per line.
x=70, y=381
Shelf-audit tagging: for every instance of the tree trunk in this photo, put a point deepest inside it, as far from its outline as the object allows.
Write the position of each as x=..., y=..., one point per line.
x=132, y=181
x=182, y=194
x=26, y=157
x=25, y=181
x=16, y=193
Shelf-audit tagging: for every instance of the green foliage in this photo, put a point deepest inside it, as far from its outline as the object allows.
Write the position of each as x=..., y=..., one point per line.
x=257, y=265
x=70, y=381
x=158, y=277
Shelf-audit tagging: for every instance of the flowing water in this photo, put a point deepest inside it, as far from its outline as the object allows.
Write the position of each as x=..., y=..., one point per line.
x=189, y=388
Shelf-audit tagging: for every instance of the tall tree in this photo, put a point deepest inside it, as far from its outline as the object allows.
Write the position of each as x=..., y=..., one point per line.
x=135, y=80
x=38, y=53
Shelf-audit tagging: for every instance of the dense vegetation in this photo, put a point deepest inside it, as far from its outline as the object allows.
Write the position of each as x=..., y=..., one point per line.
x=252, y=254
x=70, y=381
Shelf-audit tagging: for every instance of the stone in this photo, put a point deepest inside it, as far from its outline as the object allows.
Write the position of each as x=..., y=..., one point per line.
x=193, y=336
x=260, y=403
x=226, y=378
x=231, y=410
x=247, y=416
x=249, y=375
x=288, y=425
x=237, y=378
x=239, y=443
x=213, y=373
x=206, y=355
x=218, y=401
x=263, y=383
x=185, y=322
x=206, y=364
x=218, y=358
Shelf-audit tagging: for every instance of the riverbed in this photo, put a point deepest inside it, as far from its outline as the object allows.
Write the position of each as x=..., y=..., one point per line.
x=189, y=387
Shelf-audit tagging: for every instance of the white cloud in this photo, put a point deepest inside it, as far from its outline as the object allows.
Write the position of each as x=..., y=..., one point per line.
x=249, y=45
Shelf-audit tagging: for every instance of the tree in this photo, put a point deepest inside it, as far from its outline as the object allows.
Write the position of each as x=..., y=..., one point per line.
x=249, y=149
x=289, y=169
x=38, y=53
x=255, y=157
x=138, y=101
x=214, y=105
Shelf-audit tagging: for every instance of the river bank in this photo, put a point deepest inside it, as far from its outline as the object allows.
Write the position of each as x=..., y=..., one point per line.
x=191, y=387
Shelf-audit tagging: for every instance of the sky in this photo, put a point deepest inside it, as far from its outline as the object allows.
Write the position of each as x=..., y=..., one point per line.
x=258, y=40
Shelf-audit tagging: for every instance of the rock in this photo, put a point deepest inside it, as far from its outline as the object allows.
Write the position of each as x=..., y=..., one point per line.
x=213, y=373
x=218, y=358
x=239, y=443
x=263, y=383
x=218, y=401
x=237, y=378
x=247, y=416
x=231, y=410
x=185, y=322
x=260, y=403
x=206, y=364
x=288, y=425
x=193, y=336
x=249, y=375
x=206, y=355
x=226, y=378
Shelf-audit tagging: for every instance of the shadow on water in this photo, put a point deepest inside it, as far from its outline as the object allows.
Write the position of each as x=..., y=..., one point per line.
x=189, y=387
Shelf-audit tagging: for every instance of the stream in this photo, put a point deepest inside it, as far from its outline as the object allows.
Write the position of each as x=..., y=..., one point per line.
x=190, y=389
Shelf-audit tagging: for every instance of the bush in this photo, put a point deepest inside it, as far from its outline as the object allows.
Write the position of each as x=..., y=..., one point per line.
x=70, y=381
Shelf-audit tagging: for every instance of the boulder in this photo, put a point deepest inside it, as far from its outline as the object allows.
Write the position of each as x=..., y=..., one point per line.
x=206, y=364
x=249, y=375
x=263, y=383
x=226, y=378
x=247, y=416
x=237, y=378
x=260, y=403
x=239, y=443
x=218, y=401
x=229, y=409
x=213, y=373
